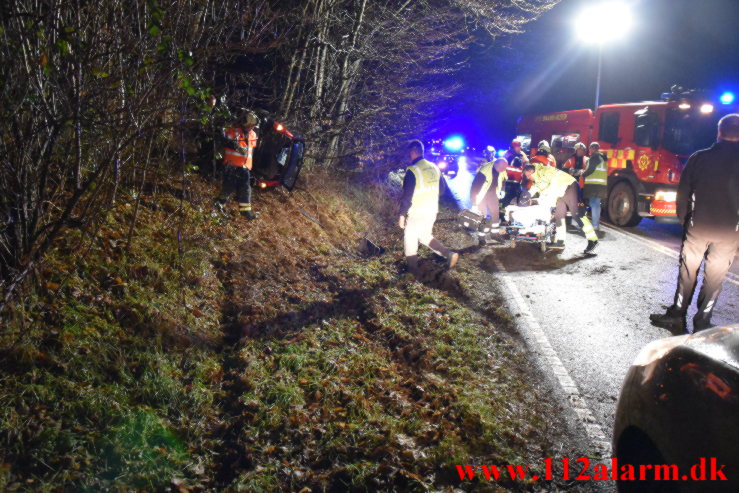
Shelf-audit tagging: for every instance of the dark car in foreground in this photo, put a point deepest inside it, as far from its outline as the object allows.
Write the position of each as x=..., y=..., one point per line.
x=679, y=410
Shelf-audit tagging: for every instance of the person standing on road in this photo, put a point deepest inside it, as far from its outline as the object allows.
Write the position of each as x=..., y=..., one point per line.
x=239, y=144
x=578, y=163
x=596, y=182
x=560, y=190
x=419, y=205
x=488, y=187
x=708, y=208
x=517, y=159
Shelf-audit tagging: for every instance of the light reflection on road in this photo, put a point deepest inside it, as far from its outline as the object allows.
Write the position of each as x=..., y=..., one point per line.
x=460, y=185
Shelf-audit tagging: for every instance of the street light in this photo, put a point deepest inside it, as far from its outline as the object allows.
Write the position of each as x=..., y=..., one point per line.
x=600, y=24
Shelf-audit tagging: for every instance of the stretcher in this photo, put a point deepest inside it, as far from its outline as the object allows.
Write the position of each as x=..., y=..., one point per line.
x=531, y=224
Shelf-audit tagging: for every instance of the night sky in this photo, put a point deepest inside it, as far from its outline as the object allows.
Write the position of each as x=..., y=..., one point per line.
x=694, y=43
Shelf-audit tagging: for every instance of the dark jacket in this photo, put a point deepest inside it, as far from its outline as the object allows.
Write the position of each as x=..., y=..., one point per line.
x=708, y=193
x=409, y=186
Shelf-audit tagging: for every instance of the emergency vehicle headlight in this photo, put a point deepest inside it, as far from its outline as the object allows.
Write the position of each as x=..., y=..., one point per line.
x=666, y=196
x=262, y=184
x=684, y=106
x=707, y=108
x=441, y=164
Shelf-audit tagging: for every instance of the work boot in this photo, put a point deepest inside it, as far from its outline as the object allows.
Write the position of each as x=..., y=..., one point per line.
x=592, y=245
x=411, y=263
x=669, y=321
x=453, y=259
x=701, y=325
x=248, y=215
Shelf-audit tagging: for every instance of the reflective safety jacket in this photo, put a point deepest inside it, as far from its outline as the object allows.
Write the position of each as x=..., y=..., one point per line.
x=239, y=149
x=425, y=199
x=491, y=179
x=542, y=159
x=550, y=183
x=576, y=164
x=599, y=173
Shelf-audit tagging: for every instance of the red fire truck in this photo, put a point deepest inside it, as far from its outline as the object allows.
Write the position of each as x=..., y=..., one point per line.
x=647, y=145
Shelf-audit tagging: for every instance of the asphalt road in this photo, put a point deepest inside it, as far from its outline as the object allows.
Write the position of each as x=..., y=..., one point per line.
x=594, y=311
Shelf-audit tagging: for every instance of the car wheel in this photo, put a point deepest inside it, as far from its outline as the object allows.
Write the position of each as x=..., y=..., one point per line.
x=636, y=448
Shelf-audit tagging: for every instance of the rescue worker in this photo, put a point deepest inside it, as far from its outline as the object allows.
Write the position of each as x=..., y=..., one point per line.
x=561, y=155
x=419, y=204
x=515, y=155
x=560, y=190
x=238, y=159
x=708, y=208
x=544, y=155
x=516, y=160
x=488, y=187
x=578, y=163
x=595, y=178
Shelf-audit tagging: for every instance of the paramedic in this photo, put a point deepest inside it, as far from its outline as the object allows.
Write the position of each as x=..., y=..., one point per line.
x=560, y=190
x=419, y=204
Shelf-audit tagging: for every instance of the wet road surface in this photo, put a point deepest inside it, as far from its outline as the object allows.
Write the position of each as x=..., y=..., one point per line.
x=595, y=311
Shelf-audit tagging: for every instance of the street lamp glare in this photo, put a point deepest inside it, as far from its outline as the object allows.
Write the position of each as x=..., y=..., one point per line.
x=604, y=22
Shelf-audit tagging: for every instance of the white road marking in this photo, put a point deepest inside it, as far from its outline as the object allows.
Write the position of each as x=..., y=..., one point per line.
x=658, y=247
x=538, y=338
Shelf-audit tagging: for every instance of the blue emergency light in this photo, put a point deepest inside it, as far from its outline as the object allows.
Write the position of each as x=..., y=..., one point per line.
x=727, y=97
x=501, y=153
x=454, y=144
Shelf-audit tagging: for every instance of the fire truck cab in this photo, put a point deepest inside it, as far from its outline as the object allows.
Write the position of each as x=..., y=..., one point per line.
x=647, y=145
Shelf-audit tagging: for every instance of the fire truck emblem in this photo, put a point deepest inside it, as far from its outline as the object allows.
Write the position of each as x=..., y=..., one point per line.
x=643, y=162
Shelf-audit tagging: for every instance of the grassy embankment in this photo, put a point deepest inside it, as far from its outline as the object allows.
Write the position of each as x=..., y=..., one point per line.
x=255, y=356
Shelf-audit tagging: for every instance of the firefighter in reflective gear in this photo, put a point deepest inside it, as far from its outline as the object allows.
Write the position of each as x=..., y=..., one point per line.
x=516, y=160
x=577, y=164
x=238, y=159
x=419, y=204
x=488, y=187
x=560, y=190
x=708, y=208
x=544, y=155
x=595, y=178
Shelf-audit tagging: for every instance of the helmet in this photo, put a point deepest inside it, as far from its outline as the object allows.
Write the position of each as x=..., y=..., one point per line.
x=595, y=144
x=515, y=142
x=544, y=146
x=489, y=152
x=248, y=117
x=580, y=145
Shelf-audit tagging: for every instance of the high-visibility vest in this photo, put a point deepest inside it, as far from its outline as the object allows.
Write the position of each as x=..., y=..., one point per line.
x=246, y=144
x=425, y=201
x=488, y=172
x=600, y=175
x=551, y=183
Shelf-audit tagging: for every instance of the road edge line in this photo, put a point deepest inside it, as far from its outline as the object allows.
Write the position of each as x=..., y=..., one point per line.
x=536, y=337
